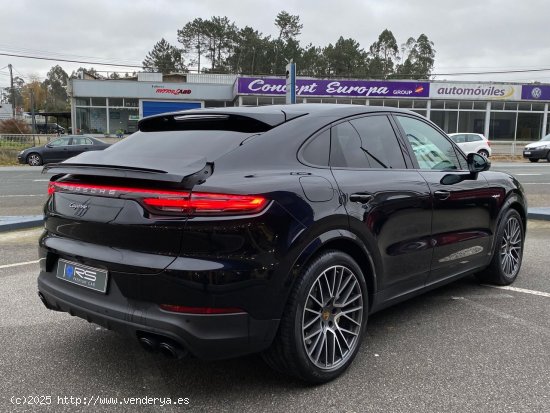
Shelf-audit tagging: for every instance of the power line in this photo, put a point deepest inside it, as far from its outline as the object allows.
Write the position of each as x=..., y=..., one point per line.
x=69, y=60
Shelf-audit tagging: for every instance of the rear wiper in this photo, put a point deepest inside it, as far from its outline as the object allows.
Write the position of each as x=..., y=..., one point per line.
x=374, y=157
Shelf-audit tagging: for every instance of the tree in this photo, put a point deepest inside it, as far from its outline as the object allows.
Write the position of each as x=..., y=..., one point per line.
x=418, y=58
x=286, y=44
x=18, y=84
x=164, y=58
x=34, y=90
x=194, y=39
x=248, y=51
x=345, y=58
x=221, y=35
x=385, y=54
x=289, y=26
x=55, y=85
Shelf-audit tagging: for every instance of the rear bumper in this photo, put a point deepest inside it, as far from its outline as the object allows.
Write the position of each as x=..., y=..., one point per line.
x=205, y=336
x=21, y=159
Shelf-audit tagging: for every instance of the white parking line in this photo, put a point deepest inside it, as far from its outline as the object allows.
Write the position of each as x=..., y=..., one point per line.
x=519, y=290
x=15, y=196
x=518, y=175
x=47, y=180
x=536, y=183
x=18, y=264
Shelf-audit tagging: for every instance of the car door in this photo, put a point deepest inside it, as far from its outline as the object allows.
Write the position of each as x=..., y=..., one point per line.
x=462, y=203
x=80, y=144
x=57, y=150
x=388, y=205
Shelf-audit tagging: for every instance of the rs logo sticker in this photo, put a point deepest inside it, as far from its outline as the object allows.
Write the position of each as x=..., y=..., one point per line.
x=87, y=275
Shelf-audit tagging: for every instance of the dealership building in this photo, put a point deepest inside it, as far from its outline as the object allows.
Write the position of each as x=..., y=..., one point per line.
x=501, y=111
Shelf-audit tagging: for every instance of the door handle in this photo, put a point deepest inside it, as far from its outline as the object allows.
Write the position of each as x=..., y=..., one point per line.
x=361, y=198
x=442, y=195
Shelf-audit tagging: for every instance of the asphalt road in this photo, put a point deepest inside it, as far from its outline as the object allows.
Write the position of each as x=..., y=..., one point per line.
x=463, y=347
x=23, y=188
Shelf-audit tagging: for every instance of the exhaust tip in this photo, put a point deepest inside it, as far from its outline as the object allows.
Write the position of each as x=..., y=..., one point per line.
x=149, y=344
x=172, y=351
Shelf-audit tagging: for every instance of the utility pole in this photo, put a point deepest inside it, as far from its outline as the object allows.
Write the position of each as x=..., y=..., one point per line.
x=12, y=92
x=32, y=113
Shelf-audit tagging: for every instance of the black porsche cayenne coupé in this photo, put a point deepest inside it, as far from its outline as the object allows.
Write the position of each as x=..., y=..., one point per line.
x=278, y=229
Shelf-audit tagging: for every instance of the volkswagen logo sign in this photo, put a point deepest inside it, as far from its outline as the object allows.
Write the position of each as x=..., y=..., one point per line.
x=536, y=93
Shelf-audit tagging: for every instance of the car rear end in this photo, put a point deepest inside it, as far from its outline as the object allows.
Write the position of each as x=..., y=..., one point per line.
x=134, y=243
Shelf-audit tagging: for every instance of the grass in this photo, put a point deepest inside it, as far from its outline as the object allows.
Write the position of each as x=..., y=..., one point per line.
x=8, y=156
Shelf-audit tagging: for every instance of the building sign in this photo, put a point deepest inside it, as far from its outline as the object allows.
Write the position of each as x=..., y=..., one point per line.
x=333, y=88
x=535, y=92
x=475, y=91
x=162, y=90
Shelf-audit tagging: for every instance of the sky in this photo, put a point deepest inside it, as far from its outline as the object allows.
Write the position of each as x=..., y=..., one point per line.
x=469, y=36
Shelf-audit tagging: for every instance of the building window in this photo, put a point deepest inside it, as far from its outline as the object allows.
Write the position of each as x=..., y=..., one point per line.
x=529, y=126
x=131, y=103
x=116, y=102
x=99, y=102
x=82, y=101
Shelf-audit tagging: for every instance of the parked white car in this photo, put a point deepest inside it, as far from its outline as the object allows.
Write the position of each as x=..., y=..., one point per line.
x=472, y=143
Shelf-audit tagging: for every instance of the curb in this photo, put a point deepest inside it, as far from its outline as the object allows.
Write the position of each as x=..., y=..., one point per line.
x=12, y=223
x=539, y=213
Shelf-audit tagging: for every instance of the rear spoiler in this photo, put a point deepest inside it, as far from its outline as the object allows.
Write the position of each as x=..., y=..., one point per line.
x=186, y=173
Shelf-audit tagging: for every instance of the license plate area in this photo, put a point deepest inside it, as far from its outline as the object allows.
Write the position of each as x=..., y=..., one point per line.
x=83, y=275
x=527, y=153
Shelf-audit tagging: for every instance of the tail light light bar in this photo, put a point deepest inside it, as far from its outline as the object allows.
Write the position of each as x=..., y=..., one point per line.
x=171, y=201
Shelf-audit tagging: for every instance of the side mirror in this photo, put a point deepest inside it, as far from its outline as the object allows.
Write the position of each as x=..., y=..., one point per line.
x=477, y=163
x=49, y=145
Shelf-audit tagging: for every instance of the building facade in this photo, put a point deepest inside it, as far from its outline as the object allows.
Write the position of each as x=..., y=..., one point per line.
x=501, y=111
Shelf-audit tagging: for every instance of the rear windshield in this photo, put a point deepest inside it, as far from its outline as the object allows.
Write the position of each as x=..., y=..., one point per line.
x=203, y=143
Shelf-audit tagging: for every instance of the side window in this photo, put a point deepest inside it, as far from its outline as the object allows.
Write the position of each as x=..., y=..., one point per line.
x=379, y=142
x=473, y=138
x=431, y=149
x=345, y=147
x=316, y=151
x=459, y=138
x=59, y=142
x=88, y=141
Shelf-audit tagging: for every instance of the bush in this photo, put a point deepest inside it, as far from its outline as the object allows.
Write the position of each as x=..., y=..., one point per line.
x=14, y=126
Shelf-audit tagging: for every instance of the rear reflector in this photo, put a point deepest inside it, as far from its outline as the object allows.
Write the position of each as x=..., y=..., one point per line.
x=200, y=310
x=196, y=203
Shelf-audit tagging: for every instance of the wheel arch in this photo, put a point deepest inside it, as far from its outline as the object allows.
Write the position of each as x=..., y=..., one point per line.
x=344, y=241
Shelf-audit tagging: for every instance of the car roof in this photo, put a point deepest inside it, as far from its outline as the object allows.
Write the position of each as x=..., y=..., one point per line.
x=274, y=115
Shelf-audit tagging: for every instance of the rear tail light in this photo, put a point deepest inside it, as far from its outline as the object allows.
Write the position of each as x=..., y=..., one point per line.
x=200, y=310
x=488, y=142
x=169, y=201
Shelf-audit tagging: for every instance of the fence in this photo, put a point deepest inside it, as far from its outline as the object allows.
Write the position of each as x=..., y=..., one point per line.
x=23, y=141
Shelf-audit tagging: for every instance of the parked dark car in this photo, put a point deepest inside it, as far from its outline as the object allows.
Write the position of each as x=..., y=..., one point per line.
x=49, y=128
x=60, y=149
x=278, y=229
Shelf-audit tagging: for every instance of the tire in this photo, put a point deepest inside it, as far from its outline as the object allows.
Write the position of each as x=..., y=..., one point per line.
x=315, y=342
x=34, y=159
x=483, y=153
x=506, y=262
x=533, y=160
x=548, y=156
